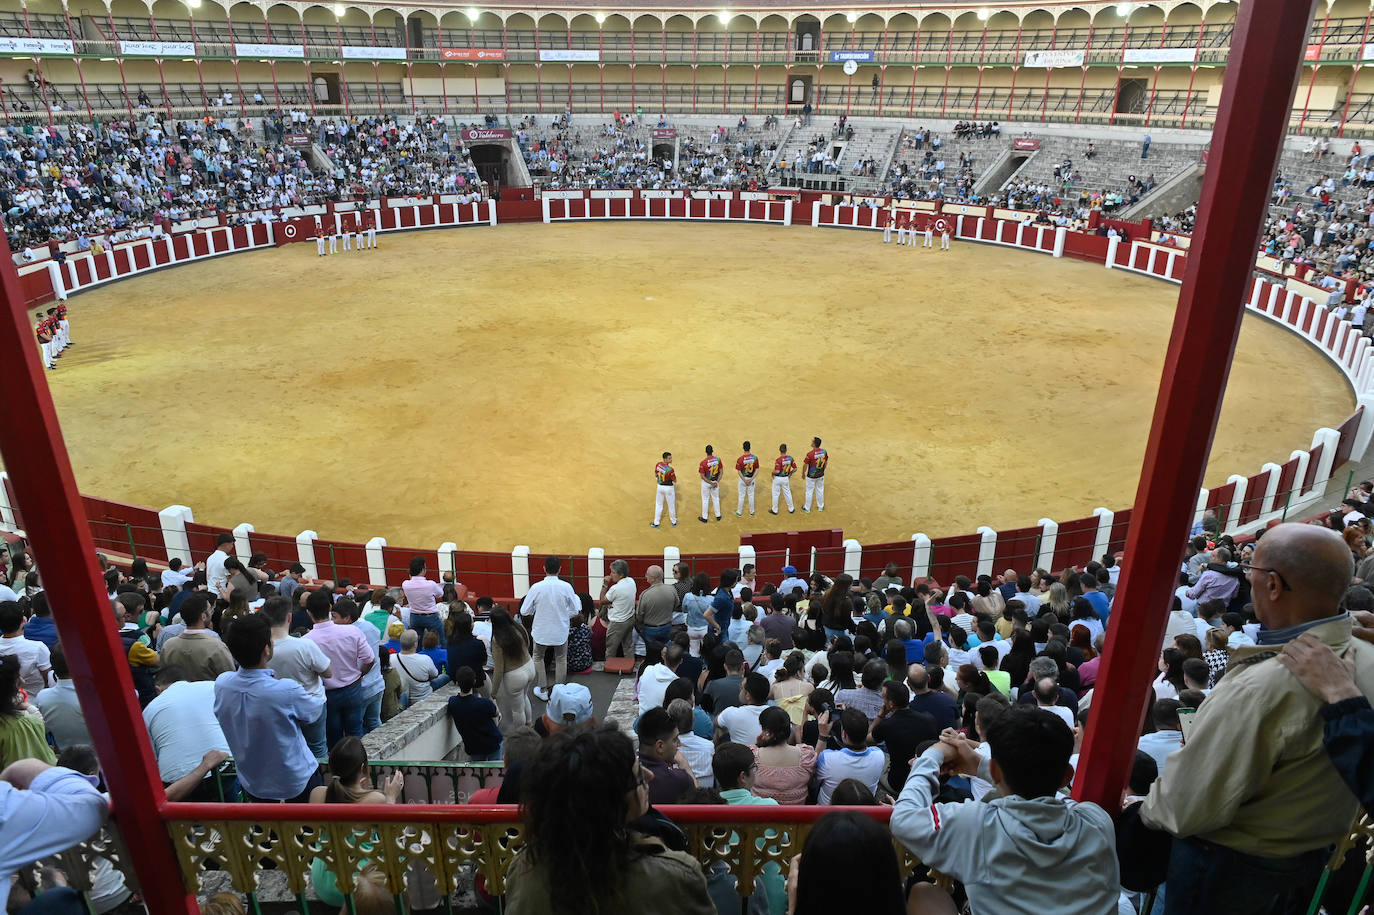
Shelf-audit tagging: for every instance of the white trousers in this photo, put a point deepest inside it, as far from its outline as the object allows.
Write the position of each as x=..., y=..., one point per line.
x=944, y=241
x=782, y=485
x=319, y=244
x=64, y=334
x=359, y=241
x=901, y=235
x=710, y=494
x=815, y=487
x=372, y=237
x=333, y=244
x=666, y=496
x=746, y=488
x=347, y=241
x=929, y=238
x=47, y=354
x=887, y=234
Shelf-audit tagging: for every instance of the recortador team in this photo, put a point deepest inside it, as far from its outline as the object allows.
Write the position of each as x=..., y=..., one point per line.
x=747, y=466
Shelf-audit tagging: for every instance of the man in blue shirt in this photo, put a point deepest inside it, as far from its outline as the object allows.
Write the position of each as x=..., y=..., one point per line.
x=261, y=718
x=1095, y=597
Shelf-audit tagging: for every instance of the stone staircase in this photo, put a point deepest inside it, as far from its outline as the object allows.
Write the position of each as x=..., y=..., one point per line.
x=1111, y=167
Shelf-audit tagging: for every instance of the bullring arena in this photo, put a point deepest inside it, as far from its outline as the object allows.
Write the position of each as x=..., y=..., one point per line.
x=357, y=295
x=471, y=380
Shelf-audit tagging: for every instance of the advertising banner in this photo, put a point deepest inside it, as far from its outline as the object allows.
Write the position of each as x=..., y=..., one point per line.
x=1159, y=55
x=863, y=57
x=356, y=52
x=569, y=55
x=1054, y=58
x=477, y=134
x=472, y=53
x=1025, y=143
x=157, y=48
x=270, y=50
x=36, y=46
x=664, y=133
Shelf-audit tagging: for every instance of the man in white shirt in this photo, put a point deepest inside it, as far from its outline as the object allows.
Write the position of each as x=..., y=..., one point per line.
x=697, y=750
x=741, y=722
x=1168, y=735
x=419, y=676
x=182, y=726
x=35, y=665
x=300, y=660
x=617, y=603
x=61, y=708
x=173, y=576
x=1031, y=602
x=215, y=575
x=553, y=603
x=654, y=680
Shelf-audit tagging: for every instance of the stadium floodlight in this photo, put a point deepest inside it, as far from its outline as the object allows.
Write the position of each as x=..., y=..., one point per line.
x=1123, y=8
x=724, y=17
x=852, y=17
x=193, y=4
x=600, y=18
x=983, y=14
x=339, y=10
x=473, y=13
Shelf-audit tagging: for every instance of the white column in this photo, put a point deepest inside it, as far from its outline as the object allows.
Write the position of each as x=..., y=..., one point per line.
x=1049, y=538
x=978, y=227
x=1112, y=244
x=1060, y=233
x=376, y=565
x=491, y=212
x=672, y=556
x=305, y=549
x=1328, y=439
x=1105, y=517
x=1271, y=488
x=445, y=564
x=596, y=569
x=6, y=509
x=1295, y=494
x=920, y=556
x=986, y=549
x=787, y=212
x=1237, y=499
x=110, y=261
x=243, y=549
x=853, y=557
x=747, y=557
x=1150, y=261
x=815, y=214
x=1366, y=427
x=1303, y=306
x=1201, y=507
x=811, y=566
x=1020, y=230
x=172, y=520
x=544, y=201
x=59, y=288
x=520, y=565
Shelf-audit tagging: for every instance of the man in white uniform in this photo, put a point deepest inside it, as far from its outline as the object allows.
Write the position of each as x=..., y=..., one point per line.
x=887, y=228
x=319, y=236
x=347, y=235
x=666, y=493
x=334, y=236
x=930, y=234
x=553, y=603
x=944, y=236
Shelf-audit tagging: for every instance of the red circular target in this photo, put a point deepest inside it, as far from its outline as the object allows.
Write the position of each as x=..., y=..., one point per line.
x=942, y=225
x=289, y=230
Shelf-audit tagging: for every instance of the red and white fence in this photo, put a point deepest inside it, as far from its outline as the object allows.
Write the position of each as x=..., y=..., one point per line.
x=725, y=206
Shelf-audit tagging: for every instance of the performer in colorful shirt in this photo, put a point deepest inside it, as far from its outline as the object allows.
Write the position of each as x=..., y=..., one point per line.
x=709, y=470
x=747, y=466
x=783, y=468
x=667, y=489
x=815, y=462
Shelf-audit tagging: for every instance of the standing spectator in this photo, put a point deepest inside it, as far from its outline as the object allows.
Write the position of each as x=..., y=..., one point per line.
x=552, y=603
x=350, y=657
x=182, y=727
x=299, y=659
x=1255, y=758
x=291, y=581
x=372, y=685
x=617, y=604
x=476, y=719
x=61, y=708
x=465, y=649
x=654, y=613
x=262, y=719
x=142, y=659
x=937, y=703
x=513, y=670
x=216, y=576
x=421, y=594
x=35, y=662
x=197, y=651
x=856, y=760
x=701, y=616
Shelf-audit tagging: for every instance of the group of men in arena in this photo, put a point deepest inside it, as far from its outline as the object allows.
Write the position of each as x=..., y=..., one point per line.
x=747, y=466
x=54, y=334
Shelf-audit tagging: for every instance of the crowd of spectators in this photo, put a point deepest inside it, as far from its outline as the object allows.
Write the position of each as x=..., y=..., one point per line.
x=963, y=706
x=119, y=177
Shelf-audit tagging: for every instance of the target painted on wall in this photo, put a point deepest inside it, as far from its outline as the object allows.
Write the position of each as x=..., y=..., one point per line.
x=942, y=225
x=289, y=230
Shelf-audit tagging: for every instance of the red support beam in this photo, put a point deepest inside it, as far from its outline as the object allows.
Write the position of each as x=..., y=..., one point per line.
x=1261, y=76
x=56, y=526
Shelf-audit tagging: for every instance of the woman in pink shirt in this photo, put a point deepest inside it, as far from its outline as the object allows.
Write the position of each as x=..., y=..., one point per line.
x=784, y=770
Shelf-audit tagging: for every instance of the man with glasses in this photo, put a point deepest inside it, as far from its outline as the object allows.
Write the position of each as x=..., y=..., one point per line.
x=1252, y=797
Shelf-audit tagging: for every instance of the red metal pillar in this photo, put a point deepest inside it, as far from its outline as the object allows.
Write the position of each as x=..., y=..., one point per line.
x=1261, y=76
x=56, y=525
x=1015, y=65
x=1045, y=96
x=915, y=69
x=1316, y=65
x=1083, y=82
x=1192, y=74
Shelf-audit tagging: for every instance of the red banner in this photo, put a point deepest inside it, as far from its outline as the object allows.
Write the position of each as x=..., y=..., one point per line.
x=1313, y=52
x=472, y=53
x=486, y=133
x=664, y=133
x=298, y=140
x=1025, y=143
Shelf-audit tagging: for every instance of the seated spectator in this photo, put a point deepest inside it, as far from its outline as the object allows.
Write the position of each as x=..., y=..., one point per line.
x=856, y=846
x=182, y=727
x=868, y=698
x=581, y=792
x=580, y=658
x=790, y=687
x=901, y=730
x=734, y=770
x=349, y=783
x=660, y=756
x=784, y=770
x=855, y=760
x=476, y=719
x=419, y=675
x=198, y=651
x=654, y=679
x=696, y=750
x=1020, y=838
x=934, y=702
x=35, y=663
x=430, y=646
x=1168, y=733
x=517, y=751
x=725, y=691
x=62, y=714
x=741, y=723
x=22, y=734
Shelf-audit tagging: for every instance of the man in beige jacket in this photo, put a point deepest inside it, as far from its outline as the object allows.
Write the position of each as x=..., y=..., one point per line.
x=1252, y=798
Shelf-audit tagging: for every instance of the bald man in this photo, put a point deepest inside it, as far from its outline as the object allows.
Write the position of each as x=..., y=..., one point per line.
x=1252, y=797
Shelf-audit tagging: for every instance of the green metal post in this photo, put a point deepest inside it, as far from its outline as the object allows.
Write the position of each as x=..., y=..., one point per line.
x=333, y=567
x=129, y=532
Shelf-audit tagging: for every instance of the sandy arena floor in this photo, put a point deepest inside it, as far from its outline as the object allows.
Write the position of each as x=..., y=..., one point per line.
x=516, y=385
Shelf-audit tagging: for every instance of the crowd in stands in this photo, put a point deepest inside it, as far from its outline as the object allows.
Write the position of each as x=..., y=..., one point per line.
x=962, y=705
x=113, y=179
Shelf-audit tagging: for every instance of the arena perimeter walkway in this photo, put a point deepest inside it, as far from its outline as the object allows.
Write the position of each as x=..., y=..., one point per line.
x=516, y=385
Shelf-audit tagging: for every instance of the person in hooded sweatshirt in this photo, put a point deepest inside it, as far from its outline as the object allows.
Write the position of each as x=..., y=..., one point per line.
x=653, y=683
x=1029, y=851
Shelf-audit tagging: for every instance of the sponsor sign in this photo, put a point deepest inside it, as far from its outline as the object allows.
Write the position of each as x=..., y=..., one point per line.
x=478, y=134
x=863, y=57
x=784, y=192
x=965, y=209
x=1011, y=215
x=157, y=48
x=356, y=52
x=1159, y=55
x=660, y=195
x=1025, y=143
x=942, y=225
x=270, y=50
x=472, y=53
x=569, y=55
x=35, y=46
x=664, y=133
x=1054, y=58
x=612, y=194
x=298, y=140
x=1368, y=52
x=564, y=195
x=713, y=195
x=1313, y=52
